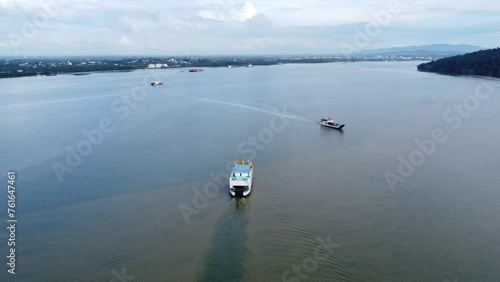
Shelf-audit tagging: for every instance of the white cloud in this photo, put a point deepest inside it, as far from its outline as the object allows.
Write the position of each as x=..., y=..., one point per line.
x=14, y=5
x=124, y=41
x=248, y=12
x=240, y=26
x=229, y=11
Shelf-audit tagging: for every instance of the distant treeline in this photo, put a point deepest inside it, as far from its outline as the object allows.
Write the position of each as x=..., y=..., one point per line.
x=483, y=63
x=12, y=71
x=33, y=67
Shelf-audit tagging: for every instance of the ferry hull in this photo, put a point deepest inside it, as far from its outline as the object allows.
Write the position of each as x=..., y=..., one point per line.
x=239, y=188
x=240, y=180
x=240, y=191
x=338, y=126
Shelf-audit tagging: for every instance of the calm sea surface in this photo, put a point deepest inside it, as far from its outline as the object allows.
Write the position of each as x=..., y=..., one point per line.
x=121, y=181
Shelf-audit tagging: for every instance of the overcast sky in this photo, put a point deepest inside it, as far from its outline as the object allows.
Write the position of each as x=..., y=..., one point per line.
x=219, y=27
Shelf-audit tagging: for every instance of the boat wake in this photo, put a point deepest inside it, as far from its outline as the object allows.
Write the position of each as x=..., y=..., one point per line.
x=60, y=100
x=228, y=245
x=271, y=110
x=279, y=242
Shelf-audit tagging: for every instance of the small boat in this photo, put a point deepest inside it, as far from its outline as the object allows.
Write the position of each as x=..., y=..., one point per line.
x=329, y=122
x=156, y=82
x=196, y=70
x=240, y=181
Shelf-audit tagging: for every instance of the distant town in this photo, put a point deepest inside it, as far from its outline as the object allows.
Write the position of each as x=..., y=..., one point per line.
x=18, y=67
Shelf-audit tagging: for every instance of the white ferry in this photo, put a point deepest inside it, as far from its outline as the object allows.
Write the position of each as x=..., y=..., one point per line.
x=156, y=82
x=240, y=181
x=329, y=122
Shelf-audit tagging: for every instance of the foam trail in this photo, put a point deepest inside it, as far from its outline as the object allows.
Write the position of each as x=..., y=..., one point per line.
x=272, y=112
x=49, y=101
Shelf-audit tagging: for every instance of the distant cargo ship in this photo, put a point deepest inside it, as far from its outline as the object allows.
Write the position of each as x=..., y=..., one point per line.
x=196, y=70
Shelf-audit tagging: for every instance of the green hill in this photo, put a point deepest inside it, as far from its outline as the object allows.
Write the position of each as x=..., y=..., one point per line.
x=483, y=63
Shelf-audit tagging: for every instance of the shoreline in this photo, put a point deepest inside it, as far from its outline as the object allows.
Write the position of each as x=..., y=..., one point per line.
x=79, y=71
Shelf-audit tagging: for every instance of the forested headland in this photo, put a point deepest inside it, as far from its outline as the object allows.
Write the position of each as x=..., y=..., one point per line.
x=482, y=63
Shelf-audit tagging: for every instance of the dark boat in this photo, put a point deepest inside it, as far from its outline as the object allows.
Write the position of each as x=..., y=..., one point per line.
x=329, y=122
x=195, y=70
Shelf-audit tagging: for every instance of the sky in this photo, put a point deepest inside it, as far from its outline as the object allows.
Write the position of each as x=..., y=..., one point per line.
x=240, y=27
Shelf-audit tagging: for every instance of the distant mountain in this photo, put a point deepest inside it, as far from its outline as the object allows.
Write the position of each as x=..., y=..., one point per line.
x=434, y=50
x=484, y=63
